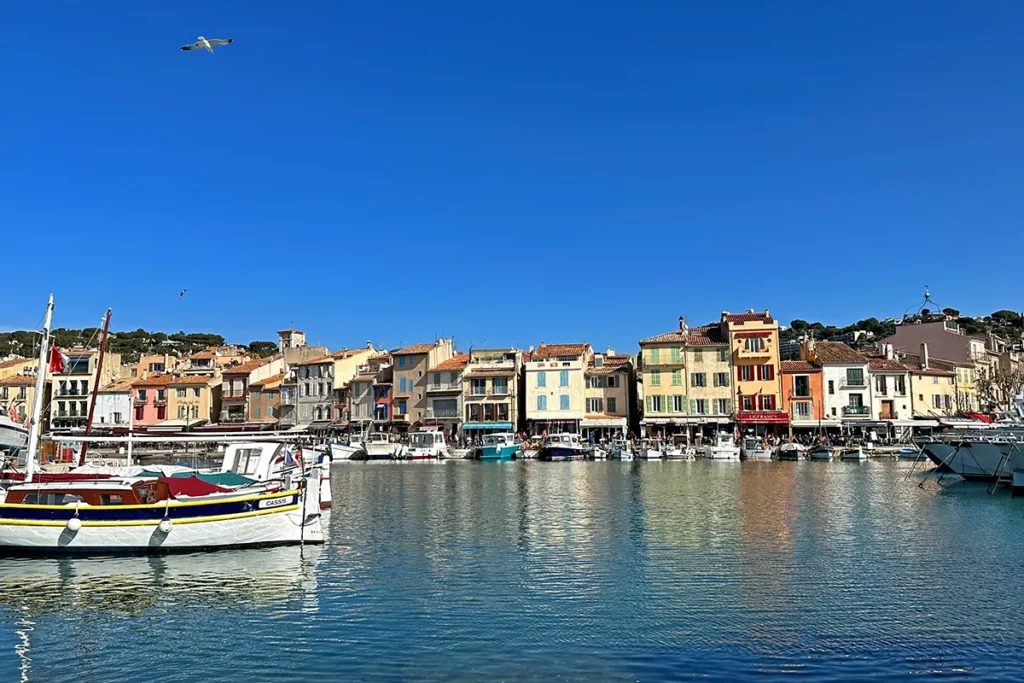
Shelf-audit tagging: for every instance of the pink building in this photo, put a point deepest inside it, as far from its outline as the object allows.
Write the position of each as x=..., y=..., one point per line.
x=149, y=399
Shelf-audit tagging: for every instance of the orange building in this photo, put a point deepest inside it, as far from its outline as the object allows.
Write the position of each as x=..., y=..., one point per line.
x=803, y=394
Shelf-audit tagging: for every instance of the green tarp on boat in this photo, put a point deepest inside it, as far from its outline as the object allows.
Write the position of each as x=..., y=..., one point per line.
x=230, y=479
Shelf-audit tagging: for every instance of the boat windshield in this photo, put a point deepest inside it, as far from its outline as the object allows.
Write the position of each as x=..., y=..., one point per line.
x=495, y=439
x=421, y=439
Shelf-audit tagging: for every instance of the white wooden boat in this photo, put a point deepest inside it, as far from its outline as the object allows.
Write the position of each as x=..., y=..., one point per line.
x=853, y=454
x=349, y=451
x=791, y=451
x=621, y=450
x=650, y=449
x=680, y=449
x=157, y=515
x=822, y=452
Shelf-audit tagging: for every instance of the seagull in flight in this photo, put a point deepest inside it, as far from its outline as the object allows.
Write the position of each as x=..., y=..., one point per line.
x=181, y=294
x=207, y=43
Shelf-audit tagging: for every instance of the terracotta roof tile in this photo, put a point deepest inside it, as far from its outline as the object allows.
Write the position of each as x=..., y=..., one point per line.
x=125, y=385
x=17, y=361
x=936, y=366
x=157, y=380
x=205, y=354
x=18, y=381
x=317, y=361
x=705, y=335
x=798, y=366
x=876, y=364
x=764, y=317
x=269, y=382
x=254, y=364
x=191, y=379
x=837, y=352
x=612, y=364
x=369, y=377
x=347, y=353
x=414, y=349
x=559, y=350
x=456, y=362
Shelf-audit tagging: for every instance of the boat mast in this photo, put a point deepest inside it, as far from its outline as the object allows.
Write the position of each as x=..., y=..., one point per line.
x=37, y=403
x=95, y=385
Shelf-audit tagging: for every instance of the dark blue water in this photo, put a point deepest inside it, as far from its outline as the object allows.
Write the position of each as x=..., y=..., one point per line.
x=576, y=571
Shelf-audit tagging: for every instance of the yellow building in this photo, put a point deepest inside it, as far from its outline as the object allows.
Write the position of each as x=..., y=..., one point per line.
x=19, y=391
x=687, y=380
x=347, y=363
x=555, y=387
x=18, y=366
x=967, y=399
x=932, y=386
x=662, y=382
x=192, y=400
x=609, y=377
x=754, y=345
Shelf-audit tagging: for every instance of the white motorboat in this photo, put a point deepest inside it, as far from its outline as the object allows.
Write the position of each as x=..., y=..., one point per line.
x=650, y=449
x=379, y=446
x=598, y=453
x=560, y=447
x=755, y=449
x=531, y=448
x=724, y=448
x=264, y=461
x=424, y=444
x=855, y=454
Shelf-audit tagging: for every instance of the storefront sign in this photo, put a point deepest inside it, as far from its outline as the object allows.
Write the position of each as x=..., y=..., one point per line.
x=763, y=416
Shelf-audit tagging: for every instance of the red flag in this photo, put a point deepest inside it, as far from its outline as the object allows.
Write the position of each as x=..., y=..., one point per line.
x=58, y=361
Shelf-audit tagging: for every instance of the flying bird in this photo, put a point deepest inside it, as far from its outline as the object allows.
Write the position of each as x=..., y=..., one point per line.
x=182, y=293
x=207, y=43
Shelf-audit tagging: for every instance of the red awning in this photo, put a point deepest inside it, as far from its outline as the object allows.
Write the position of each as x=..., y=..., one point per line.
x=762, y=417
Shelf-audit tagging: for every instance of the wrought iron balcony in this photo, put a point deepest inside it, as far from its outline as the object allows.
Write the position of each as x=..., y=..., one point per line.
x=856, y=410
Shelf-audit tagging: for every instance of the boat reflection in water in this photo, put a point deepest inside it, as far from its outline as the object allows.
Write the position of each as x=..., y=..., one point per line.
x=131, y=586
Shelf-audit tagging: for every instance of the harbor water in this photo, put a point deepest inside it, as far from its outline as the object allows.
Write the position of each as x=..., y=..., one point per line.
x=578, y=571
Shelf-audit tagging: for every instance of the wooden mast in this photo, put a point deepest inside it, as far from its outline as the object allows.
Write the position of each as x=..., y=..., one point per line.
x=96, y=385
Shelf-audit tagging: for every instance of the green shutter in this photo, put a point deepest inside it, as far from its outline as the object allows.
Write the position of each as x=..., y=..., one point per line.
x=650, y=403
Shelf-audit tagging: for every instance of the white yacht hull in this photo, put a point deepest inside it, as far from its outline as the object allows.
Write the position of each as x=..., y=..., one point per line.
x=716, y=453
x=13, y=437
x=651, y=454
x=979, y=460
x=340, y=452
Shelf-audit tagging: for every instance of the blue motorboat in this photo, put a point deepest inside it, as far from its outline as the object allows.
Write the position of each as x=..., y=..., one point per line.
x=559, y=447
x=499, y=447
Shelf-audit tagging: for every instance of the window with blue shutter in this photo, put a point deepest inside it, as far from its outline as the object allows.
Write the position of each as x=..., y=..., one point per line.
x=563, y=402
x=563, y=378
x=542, y=403
x=542, y=379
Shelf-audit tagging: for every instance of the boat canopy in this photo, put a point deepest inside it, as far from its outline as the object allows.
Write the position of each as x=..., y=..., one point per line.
x=191, y=486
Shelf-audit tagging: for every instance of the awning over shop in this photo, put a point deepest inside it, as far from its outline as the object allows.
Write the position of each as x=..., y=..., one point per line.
x=694, y=420
x=487, y=425
x=762, y=417
x=914, y=423
x=616, y=422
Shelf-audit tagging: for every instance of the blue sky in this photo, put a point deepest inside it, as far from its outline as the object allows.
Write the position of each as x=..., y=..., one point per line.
x=507, y=173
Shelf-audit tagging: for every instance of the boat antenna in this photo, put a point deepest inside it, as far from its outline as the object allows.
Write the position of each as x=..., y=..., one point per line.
x=96, y=386
x=37, y=400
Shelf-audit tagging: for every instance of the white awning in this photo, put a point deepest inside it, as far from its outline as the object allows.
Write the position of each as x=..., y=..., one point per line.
x=913, y=423
x=619, y=422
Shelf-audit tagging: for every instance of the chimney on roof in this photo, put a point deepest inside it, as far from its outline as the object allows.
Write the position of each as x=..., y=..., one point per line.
x=750, y=310
x=610, y=351
x=369, y=344
x=889, y=352
x=530, y=350
x=683, y=327
x=924, y=355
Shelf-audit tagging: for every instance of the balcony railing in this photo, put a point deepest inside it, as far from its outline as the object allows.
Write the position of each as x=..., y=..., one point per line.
x=853, y=383
x=743, y=352
x=856, y=410
x=499, y=390
x=289, y=400
x=444, y=386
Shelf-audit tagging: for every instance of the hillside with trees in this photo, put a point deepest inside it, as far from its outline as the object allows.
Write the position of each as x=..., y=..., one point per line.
x=130, y=344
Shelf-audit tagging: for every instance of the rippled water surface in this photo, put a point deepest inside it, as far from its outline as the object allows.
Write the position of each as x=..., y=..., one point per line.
x=580, y=571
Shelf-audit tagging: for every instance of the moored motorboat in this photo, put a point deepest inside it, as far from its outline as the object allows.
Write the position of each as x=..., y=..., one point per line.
x=560, y=447
x=349, y=451
x=424, y=444
x=498, y=447
x=724, y=448
x=979, y=457
x=754, y=448
x=679, y=448
x=379, y=446
x=13, y=437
